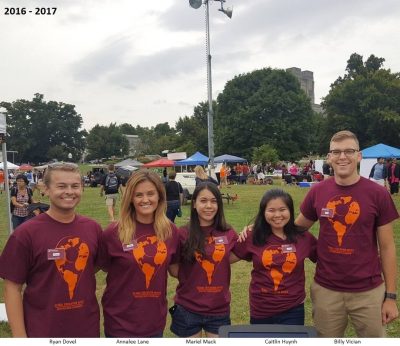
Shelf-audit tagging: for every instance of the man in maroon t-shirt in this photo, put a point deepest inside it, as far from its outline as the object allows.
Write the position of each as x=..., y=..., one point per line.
x=356, y=216
x=54, y=254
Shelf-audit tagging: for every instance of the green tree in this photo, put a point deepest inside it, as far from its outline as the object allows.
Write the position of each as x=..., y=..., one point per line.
x=156, y=139
x=265, y=153
x=35, y=128
x=366, y=101
x=127, y=129
x=106, y=141
x=264, y=107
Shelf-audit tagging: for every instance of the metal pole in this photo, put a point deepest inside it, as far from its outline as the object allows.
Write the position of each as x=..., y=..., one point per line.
x=6, y=186
x=209, y=89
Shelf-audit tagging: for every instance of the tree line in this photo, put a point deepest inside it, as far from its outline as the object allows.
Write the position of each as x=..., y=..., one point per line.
x=260, y=115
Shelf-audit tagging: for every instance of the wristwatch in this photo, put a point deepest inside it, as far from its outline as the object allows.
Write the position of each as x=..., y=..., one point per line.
x=390, y=296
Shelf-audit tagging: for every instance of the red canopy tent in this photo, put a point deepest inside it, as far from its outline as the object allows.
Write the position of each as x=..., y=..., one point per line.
x=25, y=167
x=160, y=163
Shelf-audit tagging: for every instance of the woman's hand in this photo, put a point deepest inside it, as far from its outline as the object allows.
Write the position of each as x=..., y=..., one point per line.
x=243, y=235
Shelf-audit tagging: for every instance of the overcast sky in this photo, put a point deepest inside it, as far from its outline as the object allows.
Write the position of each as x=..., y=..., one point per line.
x=144, y=62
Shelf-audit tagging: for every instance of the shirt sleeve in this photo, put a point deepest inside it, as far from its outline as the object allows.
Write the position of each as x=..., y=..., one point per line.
x=175, y=258
x=99, y=232
x=103, y=258
x=242, y=250
x=15, y=261
x=387, y=209
x=313, y=247
x=307, y=207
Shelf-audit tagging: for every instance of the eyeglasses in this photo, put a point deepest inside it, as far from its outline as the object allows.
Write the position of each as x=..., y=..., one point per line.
x=347, y=152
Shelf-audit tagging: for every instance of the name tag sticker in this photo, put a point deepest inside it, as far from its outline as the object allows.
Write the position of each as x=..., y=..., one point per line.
x=288, y=248
x=326, y=212
x=55, y=254
x=129, y=247
x=221, y=240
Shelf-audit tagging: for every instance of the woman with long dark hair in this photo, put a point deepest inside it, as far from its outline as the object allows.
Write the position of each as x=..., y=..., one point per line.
x=21, y=198
x=202, y=300
x=277, y=248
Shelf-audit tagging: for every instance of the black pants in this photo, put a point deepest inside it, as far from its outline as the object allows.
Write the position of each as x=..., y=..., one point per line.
x=172, y=209
x=394, y=188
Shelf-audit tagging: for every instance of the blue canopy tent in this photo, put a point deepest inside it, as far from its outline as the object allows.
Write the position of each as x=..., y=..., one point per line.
x=196, y=159
x=380, y=150
x=228, y=159
x=369, y=156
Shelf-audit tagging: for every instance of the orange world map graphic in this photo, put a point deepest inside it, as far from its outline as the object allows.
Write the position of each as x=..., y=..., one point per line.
x=74, y=263
x=150, y=254
x=209, y=266
x=346, y=212
x=277, y=274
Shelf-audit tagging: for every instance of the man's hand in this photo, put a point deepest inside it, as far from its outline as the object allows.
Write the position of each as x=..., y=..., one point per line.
x=389, y=311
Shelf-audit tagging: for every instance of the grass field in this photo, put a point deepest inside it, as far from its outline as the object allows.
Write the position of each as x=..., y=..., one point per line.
x=238, y=214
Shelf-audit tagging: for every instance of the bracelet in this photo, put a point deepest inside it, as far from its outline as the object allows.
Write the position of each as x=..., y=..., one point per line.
x=390, y=296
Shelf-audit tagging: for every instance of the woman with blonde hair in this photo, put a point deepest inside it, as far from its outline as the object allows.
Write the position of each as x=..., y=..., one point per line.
x=136, y=252
x=202, y=177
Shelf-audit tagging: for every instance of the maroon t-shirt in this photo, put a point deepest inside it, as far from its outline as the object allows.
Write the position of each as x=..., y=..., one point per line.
x=59, y=299
x=204, y=284
x=277, y=279
x=134, y=301
x=348, y=258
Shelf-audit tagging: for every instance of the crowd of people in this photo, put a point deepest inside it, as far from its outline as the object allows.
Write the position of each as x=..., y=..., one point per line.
x=55, y=257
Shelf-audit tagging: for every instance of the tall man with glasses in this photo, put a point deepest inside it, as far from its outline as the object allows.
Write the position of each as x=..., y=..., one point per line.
x=355, y=247
x=54, y=255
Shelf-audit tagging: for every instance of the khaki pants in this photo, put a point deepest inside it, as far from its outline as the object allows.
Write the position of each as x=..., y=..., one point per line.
x=332, y=309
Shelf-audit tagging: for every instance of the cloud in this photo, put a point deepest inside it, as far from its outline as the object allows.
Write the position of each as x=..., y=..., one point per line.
x=101, y=62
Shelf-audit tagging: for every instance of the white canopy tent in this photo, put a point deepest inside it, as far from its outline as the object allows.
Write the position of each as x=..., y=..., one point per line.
x=9, y=165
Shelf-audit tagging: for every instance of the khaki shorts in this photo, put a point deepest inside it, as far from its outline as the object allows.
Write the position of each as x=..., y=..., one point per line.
x=333, y=309
x=111, y=199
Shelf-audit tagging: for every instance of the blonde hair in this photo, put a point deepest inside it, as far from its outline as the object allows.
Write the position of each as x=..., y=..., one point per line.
x=200, y=173
x=342, y=135
x=59, y=166
x=127, y=223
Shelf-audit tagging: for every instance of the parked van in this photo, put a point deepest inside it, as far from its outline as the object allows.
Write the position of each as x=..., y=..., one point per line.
x=188, y=182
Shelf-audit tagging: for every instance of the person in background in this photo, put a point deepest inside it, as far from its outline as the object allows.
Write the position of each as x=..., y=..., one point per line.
x=246, y=172
x=2, y=186
x=223, y=174
x=278, y=249
x=48, y=266
x=293, y=169
x=21, y=197
x=111, y=186
x=355, y=277
x=165, y=175
x=201, y=176
x=136, y=252
x=379, y=172
x=202, y=300
x=394, y=176
x=174, y=192
x=326, y=169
